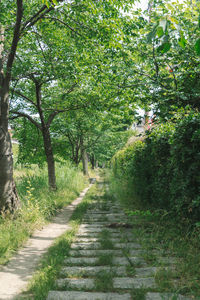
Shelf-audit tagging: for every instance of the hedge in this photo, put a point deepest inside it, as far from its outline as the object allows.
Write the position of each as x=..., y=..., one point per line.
x=164, y=168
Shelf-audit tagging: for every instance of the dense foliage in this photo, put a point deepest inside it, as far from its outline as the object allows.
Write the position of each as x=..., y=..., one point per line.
x=163, y=169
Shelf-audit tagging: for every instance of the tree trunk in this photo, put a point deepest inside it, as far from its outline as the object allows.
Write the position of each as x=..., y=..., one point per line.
x=93, y=161
x=9, y=200
x=8, y=195
x=50, y=158
x=97, y=164
x=85, y=163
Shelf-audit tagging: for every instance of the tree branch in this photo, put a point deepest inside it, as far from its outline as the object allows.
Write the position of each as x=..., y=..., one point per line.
x=59, y=111
x=36, y=18
x=71, y=89
x=23, y=96
x=15, y=40
x=33, y=17
x=50, y=118
x=64, y=23
x=21, y=114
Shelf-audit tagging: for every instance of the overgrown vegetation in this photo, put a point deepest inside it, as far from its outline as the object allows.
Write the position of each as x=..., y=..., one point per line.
x=162, y=171
x=157, y=180
x=38, y=205
x=163, y=239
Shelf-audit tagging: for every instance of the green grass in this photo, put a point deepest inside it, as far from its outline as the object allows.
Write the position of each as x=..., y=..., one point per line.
x=44, y=279
x=104, y=282
x=130, y=270
x=138, y=294
x=105, y=260
x=37, y=204
x=160, y=234
x=104, y=239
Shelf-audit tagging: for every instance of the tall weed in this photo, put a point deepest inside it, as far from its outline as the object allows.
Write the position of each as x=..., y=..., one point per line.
x=37, y=204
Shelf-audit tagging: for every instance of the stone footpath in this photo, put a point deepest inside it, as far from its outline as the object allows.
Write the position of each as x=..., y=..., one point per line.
x=106, y=262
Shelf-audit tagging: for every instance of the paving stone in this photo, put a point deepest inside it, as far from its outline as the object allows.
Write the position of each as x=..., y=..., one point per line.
x=143, y=272
x=119, y=239
x=85, y=246
x=91, y=270
x=167, y=260
x=86, y=239
x=165, y=296
x=94, y=216
x=77, y=284
x=136, y=252
x=94, y=252
x=92, y=212
x=116, y=220
x=90, y=217
x=94, y=260
x=88, y=234
x=127, y=245
x=90, y=221
x=81, y=261
x=128, y=235
x=86, y=226
x=125, y=261
x=96, y=229
x=129, y=283
x=117, y=215
x=97, y=222
x=71, y=295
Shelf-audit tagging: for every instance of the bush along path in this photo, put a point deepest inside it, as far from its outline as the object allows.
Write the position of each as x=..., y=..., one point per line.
x=106, y=261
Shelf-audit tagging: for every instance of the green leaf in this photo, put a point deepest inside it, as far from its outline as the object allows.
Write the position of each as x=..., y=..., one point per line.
x=165, y=47
x=182, y=41
x=55, y=2
x=197, y=47
x=160, y=31
x=150, y=36
x=47, y=3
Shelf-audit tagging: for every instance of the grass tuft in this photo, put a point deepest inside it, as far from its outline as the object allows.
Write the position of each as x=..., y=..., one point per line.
x=37, y=204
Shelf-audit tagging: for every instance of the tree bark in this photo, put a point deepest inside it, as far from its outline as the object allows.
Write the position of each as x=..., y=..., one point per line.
x=85, y=163
x=46, y=139
x=93, y=161
x=50, y=158
x=9, y=200
x=97, y=164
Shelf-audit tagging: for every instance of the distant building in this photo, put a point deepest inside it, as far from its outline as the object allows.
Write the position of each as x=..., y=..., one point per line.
x=145, y=124
x=139, y=127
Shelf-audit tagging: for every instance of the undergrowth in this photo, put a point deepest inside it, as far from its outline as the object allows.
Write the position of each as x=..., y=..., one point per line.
x=37, y=204
x=161, y=233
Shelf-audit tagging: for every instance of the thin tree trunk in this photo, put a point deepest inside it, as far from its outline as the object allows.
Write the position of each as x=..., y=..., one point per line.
x=97, y=164
x=85, y=163
x=93, y=161
x=46, y=138
x=49, y=158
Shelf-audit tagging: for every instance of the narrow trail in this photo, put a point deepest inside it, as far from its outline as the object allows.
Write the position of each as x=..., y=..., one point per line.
x=106, y=261
x=16, y=274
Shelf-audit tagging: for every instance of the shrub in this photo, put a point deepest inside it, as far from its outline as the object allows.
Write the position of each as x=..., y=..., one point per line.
x=164, y=169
